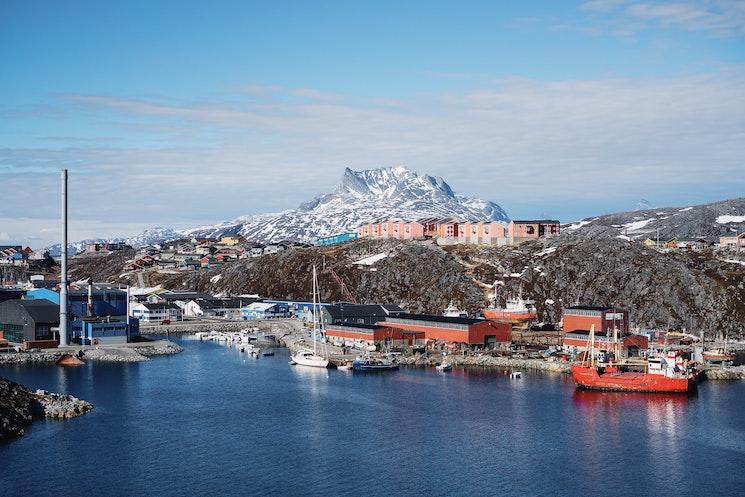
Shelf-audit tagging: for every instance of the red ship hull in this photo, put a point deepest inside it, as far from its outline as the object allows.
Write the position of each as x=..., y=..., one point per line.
x=509, y=316
x=588, y=378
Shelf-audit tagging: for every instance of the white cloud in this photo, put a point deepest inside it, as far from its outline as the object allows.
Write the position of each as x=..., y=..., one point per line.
x=580, y=144
x=720, y=17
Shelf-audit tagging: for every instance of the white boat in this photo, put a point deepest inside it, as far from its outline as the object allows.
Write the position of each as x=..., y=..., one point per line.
x=444, y=367
x=516, y=374
x=453, y=312
x=307, y=357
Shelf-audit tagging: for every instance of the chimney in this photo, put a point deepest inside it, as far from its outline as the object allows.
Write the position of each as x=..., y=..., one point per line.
x=63, y=269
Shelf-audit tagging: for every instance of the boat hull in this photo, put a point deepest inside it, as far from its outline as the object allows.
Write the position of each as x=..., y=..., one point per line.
x=374, y=368
x=311, y=361
x=501, y=315
x=588, y=378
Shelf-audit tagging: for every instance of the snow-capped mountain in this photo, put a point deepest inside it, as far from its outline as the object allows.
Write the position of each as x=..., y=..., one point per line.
x=149, y=236
x=362, y=196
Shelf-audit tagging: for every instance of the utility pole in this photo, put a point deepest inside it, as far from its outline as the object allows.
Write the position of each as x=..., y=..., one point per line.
x=63, y=269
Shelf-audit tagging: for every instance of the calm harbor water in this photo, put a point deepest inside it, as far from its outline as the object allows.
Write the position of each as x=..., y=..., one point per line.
x=212, y=421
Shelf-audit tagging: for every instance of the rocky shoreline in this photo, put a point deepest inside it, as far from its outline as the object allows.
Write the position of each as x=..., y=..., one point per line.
x=136, y=352
x=19, y=406
x=487, y=361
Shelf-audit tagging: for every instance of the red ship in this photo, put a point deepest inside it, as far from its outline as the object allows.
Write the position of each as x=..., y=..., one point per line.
x=514, y=310
x=668, y=374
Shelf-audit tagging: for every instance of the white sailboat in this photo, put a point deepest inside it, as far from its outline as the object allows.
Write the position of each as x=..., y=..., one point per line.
x=306, y=357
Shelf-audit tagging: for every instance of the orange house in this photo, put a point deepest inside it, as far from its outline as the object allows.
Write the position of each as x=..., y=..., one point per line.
x=520, y=231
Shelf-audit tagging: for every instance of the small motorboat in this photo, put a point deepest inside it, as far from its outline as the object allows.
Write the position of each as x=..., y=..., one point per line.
x=515, y=375
x=347, y=366
x=268, y=354
x=373, y=366
x=444, y=367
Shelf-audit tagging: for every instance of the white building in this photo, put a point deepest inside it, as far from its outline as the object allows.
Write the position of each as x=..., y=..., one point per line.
x=147, y=312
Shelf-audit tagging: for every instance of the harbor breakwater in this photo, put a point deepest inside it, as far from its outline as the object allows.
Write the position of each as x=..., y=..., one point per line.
x=19, y=406
x=277, y=326
x=131, y=352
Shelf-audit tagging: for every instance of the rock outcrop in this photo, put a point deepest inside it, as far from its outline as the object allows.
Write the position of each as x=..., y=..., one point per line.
x=19, y=406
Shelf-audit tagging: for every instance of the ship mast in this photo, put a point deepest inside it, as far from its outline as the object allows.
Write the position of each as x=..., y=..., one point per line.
x=315, y=310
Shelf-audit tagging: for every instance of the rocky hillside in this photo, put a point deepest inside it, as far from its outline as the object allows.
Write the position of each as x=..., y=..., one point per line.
x=678, y=289
x=19, y=406
x=709, y=221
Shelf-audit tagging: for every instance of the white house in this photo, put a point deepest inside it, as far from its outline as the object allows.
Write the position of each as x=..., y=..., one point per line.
x=228, y=308
x=147, y=312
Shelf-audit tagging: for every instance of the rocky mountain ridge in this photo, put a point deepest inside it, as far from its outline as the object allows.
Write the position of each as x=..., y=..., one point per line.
x=708, y=221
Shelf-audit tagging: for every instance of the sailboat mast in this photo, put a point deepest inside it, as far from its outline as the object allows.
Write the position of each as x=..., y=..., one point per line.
x=315, y=309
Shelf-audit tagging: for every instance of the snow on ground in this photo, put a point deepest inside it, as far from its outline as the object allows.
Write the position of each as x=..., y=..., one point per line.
x=369, y=261
x=726, y=219
x=546, y=251
x=733, y=261
x=215, y=278
x=549, y=302
x=624, y=237
x=135, y=290
x=577, y=225
x=637, y=225
x=685, y=209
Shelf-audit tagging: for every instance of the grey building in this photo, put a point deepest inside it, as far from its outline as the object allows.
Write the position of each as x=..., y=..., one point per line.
x=29, y=321
x=358, y=313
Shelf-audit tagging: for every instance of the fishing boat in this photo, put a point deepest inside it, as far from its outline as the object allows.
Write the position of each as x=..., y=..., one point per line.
x=515, y=310
x=719, y=356
x=444, y=367
x=660, y=374
x=307, y=357
x=369, y=364
x=373, y=366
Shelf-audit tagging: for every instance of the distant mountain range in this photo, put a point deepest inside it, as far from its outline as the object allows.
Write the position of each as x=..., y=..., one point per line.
x=362, y=196
x=709, y=221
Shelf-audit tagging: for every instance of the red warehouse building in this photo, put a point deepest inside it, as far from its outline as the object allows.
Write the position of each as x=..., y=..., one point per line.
x=452, y=329
x=372, y=334
x=583, y=317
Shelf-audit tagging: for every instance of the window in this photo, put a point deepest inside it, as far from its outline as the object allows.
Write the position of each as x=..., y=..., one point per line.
x=12, y=332
x=530, y=230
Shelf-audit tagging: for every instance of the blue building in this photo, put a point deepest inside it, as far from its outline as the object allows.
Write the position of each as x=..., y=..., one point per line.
x=299, y=309
x=265, y=310
x=105, y=321
x=107, y=300
x=99, y=331
x=335, y=239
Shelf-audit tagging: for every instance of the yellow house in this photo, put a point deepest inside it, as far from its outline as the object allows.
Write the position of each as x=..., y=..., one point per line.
x=649, y=242
x=671, y=243
x=229, y=240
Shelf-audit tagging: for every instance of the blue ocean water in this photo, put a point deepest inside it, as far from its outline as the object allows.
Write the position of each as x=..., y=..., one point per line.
x=212, y=421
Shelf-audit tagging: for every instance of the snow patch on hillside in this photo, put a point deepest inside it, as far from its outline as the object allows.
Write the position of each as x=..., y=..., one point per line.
x=726, y=219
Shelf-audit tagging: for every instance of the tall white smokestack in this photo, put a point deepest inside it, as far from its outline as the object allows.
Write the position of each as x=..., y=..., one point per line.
x=63, y=271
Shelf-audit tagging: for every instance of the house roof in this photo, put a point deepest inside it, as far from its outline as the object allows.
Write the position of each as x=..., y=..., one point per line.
x=165, y=305
x=593, y=308
x=41, y=310
x=437, y=319
x=536, y=221
x=260, y=306
x=341, y=311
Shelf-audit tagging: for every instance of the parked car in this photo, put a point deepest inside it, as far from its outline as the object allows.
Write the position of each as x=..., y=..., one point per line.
x=166, y=321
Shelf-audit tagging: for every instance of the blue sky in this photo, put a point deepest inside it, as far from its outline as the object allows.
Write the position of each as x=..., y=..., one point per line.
x=184, y=113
